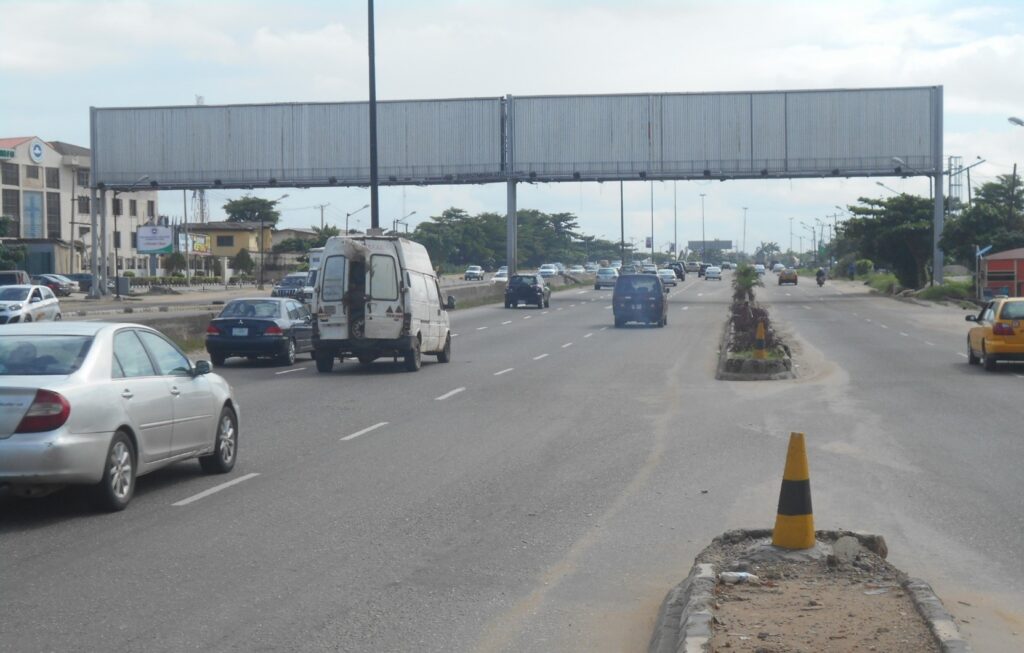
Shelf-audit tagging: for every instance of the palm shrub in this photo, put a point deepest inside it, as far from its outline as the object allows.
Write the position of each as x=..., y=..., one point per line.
x=744, y=280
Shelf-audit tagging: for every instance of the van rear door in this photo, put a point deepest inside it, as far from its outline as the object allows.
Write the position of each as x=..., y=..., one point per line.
x=384, y=313
x=333, y=321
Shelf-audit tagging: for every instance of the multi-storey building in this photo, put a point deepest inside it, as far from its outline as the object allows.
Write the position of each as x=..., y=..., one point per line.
x=46, y=199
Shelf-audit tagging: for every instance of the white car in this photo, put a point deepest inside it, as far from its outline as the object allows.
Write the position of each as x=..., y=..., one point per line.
x=759, y=268
x=548, y=270
x=713, y=272
x=501, y=276
x=667, y=276
x=577, y=269
x=28, y=304
x=473, y=273
x=99, y=404
x=778, y=267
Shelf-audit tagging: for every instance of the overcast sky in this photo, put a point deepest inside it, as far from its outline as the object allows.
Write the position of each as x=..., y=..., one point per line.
x=60, y=58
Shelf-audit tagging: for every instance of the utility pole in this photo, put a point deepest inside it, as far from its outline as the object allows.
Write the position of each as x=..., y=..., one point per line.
x=1013, y=187
x=321, y=207
x=745, y=231
x=703, y=238
x=652, y=221
x=622, y=225
x=374, y=204
x=791, y=237
x=675, y=223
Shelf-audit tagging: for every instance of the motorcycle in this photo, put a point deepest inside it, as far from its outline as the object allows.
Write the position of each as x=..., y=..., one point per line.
x=821, y=281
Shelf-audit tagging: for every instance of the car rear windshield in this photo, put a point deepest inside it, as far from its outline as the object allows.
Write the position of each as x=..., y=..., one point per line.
x=519, y=280
x=1013, y=311
x=38, y=355
x=638, y=284
x=252, y=308
x=293, y=281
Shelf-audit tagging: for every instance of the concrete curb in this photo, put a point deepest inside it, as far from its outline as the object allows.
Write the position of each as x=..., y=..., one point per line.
x=721, y=374
x=684, y=623
x=940, y=622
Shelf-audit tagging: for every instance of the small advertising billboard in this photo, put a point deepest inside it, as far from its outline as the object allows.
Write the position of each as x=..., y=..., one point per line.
x=154, y=239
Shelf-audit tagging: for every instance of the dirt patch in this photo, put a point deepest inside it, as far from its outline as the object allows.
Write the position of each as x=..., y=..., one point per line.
x=849, y=600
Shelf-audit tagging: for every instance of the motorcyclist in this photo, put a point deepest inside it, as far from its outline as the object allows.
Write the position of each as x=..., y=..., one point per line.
x=820, y=276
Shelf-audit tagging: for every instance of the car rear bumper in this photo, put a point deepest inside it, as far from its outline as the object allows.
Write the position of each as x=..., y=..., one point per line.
x=56, y=457
x=247, y=346
x=1005, y=350
x=645, y=314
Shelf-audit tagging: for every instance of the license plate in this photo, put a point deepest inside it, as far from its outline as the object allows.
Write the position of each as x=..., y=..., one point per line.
x=239, y=331
x=637, y=307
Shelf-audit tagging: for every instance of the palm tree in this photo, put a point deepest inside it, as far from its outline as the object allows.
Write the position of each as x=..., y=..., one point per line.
x=744, y=280
x=765, y=251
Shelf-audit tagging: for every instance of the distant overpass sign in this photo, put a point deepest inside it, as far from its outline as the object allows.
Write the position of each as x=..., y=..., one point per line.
x=704, y=245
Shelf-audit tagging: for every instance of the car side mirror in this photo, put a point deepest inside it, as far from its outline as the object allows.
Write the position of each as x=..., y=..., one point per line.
x=307, y=319
x=971, y=318
x=450, y=304
x=666, y=290
x=201, y=367
x=35, y=300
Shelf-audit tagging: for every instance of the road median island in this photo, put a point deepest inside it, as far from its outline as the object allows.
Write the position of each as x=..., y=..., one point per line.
x=745, y=595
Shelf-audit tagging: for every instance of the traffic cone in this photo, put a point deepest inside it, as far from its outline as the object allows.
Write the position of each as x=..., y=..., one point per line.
x=794, y=523
x=759, y=341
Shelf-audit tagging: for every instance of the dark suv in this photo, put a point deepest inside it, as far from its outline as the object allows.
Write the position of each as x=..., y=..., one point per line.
x=529, y=289
x=640, y=298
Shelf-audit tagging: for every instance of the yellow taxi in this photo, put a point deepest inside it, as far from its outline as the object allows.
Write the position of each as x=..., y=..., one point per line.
x=999, y=334
x=788, y=275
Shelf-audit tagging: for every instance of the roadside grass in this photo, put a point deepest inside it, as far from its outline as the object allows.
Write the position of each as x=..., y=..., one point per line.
x=884, y=283
x=191, y=345
x=953, y=291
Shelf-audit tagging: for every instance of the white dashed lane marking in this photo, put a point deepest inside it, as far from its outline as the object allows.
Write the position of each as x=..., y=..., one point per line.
x=568, y=344
x=960, y=353
x=294, y=369
x=930, y=344
x=214, y=489
x=588, y=335
x=527, y=317
x=537, y=358
x=506, y=322
x=481, y=328
x=364, y=431
x=505, y=371
x=904, y=334
x=451, y=393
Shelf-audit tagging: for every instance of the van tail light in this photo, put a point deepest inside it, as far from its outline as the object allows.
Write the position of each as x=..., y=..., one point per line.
x=273, y=330
x=48, y=411
x=212, y=331
x=1002, y=329
x=407, y=324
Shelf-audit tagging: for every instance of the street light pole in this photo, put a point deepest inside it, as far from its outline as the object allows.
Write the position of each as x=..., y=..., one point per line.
x=263, y=244
x=350, y=214
x=117, y=236
x=703, y=238
x=745, y=231
x=675, y=223
x=791, y=235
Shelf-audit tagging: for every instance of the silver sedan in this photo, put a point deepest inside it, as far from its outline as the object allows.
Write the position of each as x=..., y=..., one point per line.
x=101, y=404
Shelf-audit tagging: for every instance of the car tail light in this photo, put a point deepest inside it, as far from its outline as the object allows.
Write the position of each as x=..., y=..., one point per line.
x=212, y=331
x=273, y=330
x=407, y=324
x=1002, y=329
x=48, y=411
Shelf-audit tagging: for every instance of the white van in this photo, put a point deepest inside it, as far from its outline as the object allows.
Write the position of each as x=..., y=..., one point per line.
x=378, y=296
x=315, y=255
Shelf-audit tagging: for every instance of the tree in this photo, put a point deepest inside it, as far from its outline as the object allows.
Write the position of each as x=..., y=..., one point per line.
x=174, y=262
x=765, y=251
x=322, y=234
x=894, y=230
x=995, y=218
x=744, y=280
x=10, y=257
x=243, y=262
x=252, y=209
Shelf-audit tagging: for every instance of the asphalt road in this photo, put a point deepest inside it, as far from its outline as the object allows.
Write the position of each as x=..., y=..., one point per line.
x=542, y=491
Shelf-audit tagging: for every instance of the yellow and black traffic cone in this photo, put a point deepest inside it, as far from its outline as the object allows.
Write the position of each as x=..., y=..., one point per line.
x=759, y=341
x=794, y=523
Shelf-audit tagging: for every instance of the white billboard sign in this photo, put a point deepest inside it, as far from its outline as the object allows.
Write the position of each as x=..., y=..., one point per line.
x=154, y=239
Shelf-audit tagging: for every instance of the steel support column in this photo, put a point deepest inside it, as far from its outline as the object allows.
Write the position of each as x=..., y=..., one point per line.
x=103, y=244
x=938, y=258
x=94, y=268
x=511, y=221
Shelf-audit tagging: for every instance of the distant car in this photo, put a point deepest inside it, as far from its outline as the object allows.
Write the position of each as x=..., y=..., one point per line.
x=693, y=266
x=548, y=270
x=999, y=334
x=291, y=286
x=99, y=404
x=778, y=267
x=713, y=272
x=306, y=294
x=759, y=268
x=577, y=269
x=629, y=268
x=259, y=327
x=528, y=289
x=788, y=275
x=590, y=267
x=726, y=265
x=62, y=287
x=504, y=269
x=14, y=278
x=667, y=276
x=703, y=267
x=28, y=304
x=679, y=268
x=83, y=279
x=640, y=298
x=649, y=268
x=473, y=273
x=605, y=278
x=501, y=276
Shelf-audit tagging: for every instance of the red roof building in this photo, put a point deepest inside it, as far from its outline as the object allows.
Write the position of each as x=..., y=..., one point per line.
x=1003, y=273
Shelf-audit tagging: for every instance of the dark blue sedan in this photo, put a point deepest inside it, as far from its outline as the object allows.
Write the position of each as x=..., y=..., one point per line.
x=260, y=327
